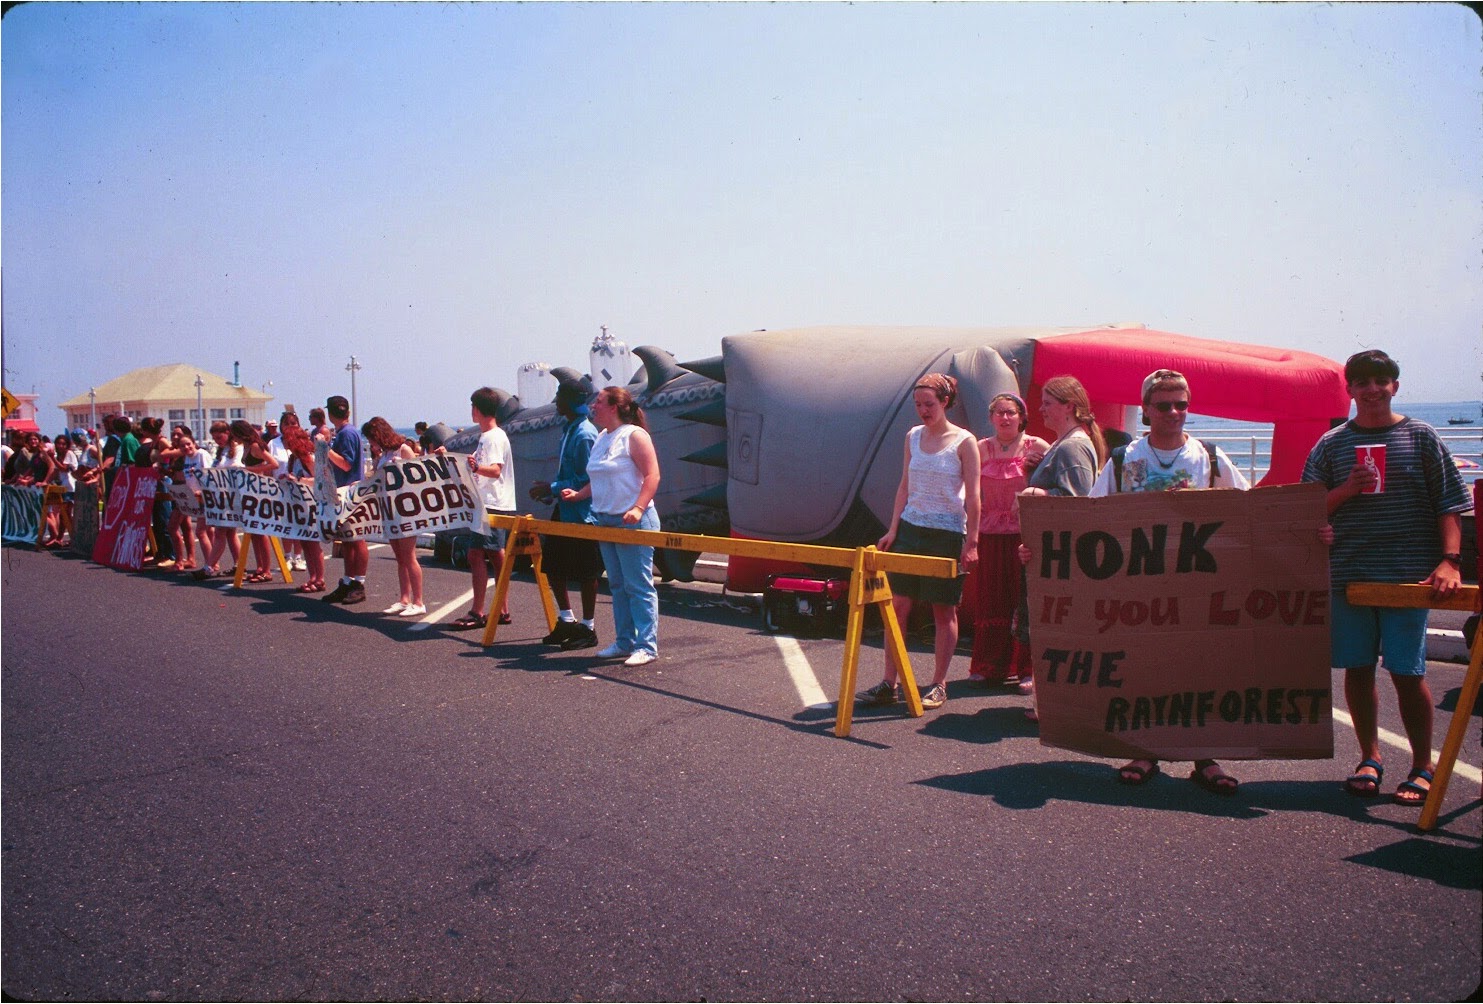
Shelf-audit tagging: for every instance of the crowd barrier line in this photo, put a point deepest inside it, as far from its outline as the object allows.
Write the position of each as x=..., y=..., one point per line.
x=869, y=585
x=1415, y=596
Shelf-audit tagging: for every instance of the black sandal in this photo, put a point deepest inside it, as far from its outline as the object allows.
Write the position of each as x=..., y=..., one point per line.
x=1133, y=774
x=1365, y=785
x=1212, y=783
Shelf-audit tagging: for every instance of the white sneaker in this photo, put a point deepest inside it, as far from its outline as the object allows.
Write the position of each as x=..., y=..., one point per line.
x=395, y=608
x=413, y=610
x=300, y=565
x=613, y=651
x=640, y=658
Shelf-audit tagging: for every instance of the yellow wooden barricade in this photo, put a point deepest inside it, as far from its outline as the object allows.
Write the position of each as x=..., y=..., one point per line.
x=245, y=545
x=868, y=585
x=1377, y=594
x=52, y=497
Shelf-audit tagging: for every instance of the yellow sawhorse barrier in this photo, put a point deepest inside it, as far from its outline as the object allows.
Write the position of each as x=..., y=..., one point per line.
x=52, y=498
x=245, y=545
x=868, y=585
x=1377, y=594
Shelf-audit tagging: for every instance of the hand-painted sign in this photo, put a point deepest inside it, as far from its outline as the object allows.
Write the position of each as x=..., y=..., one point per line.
x=1182, y=625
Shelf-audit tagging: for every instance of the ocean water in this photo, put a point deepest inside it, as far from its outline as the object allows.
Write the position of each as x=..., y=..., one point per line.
x=1249, y=443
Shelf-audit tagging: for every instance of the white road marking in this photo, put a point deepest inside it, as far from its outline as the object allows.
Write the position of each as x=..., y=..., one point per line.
x=1460, y=769
x=443, y=612
x=801, y=673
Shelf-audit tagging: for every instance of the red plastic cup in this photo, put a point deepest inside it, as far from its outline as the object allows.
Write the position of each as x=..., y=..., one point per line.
x=1372, y=457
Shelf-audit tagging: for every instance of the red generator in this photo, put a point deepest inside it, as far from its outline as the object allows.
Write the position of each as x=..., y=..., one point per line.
x=801, y=604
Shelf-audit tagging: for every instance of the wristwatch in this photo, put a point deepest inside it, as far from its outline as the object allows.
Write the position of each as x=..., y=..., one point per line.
x=1454, y=558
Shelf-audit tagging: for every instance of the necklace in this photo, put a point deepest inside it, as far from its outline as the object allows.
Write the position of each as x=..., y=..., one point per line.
x=1006, y=447
x=1159, y=457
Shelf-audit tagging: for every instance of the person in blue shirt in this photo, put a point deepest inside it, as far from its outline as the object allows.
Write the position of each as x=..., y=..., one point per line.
x=569, y=559
x=1400, y=523
x=347, y=458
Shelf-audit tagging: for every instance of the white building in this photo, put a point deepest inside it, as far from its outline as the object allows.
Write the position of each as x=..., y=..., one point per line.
x=168, y=392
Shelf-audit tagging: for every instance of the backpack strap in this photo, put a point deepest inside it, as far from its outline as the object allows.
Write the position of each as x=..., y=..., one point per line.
x=1214, y=463
x=1119, y=454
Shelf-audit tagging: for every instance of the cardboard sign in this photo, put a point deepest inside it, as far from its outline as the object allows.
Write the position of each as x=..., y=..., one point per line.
x=1182, y=625
x=185, y=494
x=125, y=529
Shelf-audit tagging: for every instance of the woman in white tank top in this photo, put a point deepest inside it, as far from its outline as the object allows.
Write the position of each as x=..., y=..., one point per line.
x=937, y=503
x=623, y=475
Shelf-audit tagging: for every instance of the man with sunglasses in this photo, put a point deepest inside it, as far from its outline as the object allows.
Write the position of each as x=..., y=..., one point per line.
x=1165, y=460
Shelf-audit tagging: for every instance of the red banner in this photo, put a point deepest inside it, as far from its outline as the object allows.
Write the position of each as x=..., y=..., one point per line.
x=125, y=530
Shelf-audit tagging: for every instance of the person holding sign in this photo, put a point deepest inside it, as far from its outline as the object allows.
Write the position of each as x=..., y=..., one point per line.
x=221, y=538
x=346, y=456
x=569, y=558
x=1005, y=459
x=937, y=502
x=257, y=459
x=1395, y=500
x=494, y=473
x=1069, y=467
x=1167, y=459
x=623, y=472
x=389, y=446
x=299, y=446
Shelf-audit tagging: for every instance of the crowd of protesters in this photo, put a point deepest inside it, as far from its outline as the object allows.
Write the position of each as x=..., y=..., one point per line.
x=958, y=497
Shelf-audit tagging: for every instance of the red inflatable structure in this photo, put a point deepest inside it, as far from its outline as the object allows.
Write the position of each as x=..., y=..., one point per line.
x=1300, y=394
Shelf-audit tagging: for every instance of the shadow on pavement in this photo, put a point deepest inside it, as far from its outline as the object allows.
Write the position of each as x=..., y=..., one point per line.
x=1423, y=858
x=1092, y=782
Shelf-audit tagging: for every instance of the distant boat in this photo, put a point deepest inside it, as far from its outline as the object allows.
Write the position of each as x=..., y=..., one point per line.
x=1460, y=420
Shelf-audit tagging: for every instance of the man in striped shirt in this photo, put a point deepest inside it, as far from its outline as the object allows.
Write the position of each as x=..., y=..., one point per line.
x=1396, y=519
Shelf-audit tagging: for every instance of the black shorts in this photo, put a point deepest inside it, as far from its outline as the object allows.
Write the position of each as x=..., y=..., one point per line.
x=570, y=559
x=913, y=539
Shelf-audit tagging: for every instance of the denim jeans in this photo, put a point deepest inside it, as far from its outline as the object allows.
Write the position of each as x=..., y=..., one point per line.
x=631, y=581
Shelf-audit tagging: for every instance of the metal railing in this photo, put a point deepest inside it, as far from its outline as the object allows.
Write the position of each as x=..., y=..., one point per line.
x=1252, y=451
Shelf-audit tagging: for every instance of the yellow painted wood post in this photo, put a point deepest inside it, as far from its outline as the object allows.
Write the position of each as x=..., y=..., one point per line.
x=1456, y=731
x=51, y=498
x=869, y=587
x=244, y=546
x=1377, y=594
x=502, y=583
x=844, y=709
x=288, y=576
x=526, y=542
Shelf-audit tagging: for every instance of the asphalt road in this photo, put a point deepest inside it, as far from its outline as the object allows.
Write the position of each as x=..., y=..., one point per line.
x=213, y=794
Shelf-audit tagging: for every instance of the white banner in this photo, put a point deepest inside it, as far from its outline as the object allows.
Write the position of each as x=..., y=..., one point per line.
x=404, y=499
x=254, y=503
x=429, y=494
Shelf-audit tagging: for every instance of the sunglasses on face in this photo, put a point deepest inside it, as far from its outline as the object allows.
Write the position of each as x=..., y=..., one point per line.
x=1167, y=406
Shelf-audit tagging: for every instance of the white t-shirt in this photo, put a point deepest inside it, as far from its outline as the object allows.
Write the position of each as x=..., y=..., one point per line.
x=65, y=477
x=280, y=453
x=1148, y=470
x=494, y=448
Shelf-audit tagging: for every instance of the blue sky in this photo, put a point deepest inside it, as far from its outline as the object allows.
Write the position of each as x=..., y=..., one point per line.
x=447, y=191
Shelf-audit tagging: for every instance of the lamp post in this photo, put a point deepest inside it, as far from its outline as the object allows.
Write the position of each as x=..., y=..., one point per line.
x=352, y=367
x=200, y=421
x=93, y=407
